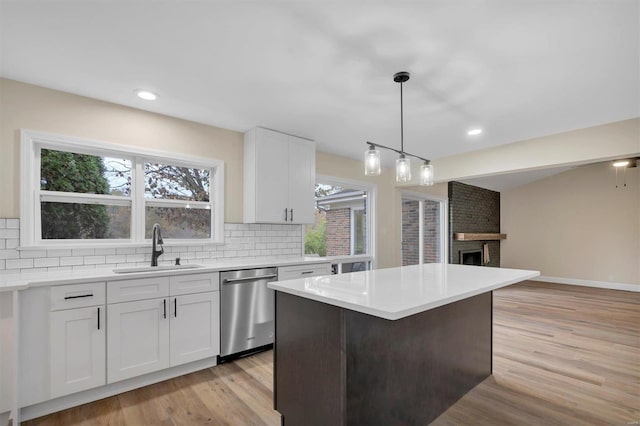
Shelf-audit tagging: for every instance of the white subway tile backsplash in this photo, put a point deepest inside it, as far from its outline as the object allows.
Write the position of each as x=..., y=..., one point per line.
x=19, y=263
x=46, y=262
x=30, y=254
x=241, y=241
x=119, y=258
x=71, y=260
x=83, y=252
x=58, y=252
x=125, y=250
x=9, y=254
x=9, y=233
x=94, y=260
x=105, y=251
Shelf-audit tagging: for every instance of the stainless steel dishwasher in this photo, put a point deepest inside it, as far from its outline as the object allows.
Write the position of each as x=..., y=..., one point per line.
x=247, y=310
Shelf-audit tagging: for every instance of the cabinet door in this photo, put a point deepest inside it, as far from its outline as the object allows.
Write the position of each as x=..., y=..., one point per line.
x=302, y=180
x=272, y=176
x=77, y=344
x=195, y=327
x=138, y=336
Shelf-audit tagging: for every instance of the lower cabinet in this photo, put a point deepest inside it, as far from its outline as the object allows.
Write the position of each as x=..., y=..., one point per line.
x=150, y=335
x=77, y=344
x=138, y=335
x=195, y=327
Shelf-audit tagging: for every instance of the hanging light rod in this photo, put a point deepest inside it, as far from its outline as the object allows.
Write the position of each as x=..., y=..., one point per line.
x=403, y=165
x=373, y=145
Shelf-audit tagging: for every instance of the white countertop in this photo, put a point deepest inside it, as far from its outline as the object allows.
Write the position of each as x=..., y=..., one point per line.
x=22, y=281
x=396, y=293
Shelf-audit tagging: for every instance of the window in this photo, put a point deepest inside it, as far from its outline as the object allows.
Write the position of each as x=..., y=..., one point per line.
x=343, y=226
x=81, y=192
x=423, y=229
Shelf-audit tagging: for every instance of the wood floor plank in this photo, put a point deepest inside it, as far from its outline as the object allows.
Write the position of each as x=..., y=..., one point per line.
x=563, y=355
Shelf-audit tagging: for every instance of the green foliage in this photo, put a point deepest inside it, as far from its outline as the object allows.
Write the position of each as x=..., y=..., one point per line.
x=315, y=241
x=69, y=172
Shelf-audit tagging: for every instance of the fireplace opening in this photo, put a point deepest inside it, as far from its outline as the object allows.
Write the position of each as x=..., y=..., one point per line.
x=471, y=257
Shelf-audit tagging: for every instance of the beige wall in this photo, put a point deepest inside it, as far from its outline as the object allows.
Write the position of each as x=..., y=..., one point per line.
x=387, y=215
x=575, y=225
x=620, y=139
x=36, y=108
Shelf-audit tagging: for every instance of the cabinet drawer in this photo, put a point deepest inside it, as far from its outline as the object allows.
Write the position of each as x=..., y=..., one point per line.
x=76, y=296
x=139, y=289
x=194, y=283
x=303, y=271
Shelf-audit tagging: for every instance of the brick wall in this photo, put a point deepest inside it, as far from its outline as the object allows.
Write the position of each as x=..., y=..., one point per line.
x=339, y=232
x=431, y=228
x=473, y=209
x=410, y=228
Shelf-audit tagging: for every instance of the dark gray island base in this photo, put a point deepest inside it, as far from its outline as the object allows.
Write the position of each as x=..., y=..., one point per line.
x=334, y=366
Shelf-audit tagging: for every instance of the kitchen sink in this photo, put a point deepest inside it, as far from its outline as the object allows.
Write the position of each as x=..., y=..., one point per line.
x=155, y=268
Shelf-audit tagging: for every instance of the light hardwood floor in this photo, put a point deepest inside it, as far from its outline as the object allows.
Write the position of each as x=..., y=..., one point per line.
x=563, y=355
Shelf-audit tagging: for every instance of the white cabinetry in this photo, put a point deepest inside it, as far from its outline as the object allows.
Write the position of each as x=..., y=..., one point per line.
x=178, y=324
x=76, y=338
x=195, y=327
x=279, y=178
x=303, y=271
x=138, y=338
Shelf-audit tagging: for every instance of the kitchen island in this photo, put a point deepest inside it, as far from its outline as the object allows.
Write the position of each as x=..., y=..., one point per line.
x=393, y=346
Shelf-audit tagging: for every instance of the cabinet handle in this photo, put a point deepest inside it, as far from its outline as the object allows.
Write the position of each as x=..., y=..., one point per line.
x=285, y=215
x=175, y=307
x=98, y=318
x=306, y=272
x=164, y=303
x=291, y=215
x=77, y=297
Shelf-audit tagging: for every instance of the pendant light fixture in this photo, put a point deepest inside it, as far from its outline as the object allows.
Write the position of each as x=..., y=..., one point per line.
x=403, y=164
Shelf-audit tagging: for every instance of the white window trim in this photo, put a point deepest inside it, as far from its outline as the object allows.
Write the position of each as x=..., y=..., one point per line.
x=444, y=222
x=372, y=191
x=352, y=229
x=31, y=141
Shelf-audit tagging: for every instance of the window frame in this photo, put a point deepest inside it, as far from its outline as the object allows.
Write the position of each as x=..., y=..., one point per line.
x=31, y=195
x=372, y=193
x=421, y=197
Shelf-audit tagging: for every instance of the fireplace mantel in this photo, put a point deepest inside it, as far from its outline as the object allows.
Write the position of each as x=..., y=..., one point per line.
x=475, y=236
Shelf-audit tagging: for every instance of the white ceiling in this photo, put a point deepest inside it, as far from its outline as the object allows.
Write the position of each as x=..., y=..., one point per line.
x=507, y=181
x=323, y=70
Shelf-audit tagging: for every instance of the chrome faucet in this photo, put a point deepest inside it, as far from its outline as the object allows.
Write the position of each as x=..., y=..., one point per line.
x=156, y=239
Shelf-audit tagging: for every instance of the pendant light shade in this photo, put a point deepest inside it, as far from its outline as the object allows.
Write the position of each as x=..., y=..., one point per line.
x=403, y=169
x=426, y=174
x=372, y=162
x=403, y=164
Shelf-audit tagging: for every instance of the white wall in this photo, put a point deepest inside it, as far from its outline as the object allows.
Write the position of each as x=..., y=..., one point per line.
x=575, y=225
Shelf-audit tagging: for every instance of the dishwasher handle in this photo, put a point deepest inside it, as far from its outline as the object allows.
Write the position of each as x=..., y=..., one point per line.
x=236, y=280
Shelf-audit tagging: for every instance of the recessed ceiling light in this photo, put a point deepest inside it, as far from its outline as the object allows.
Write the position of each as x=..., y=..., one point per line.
x=474, y=132
x=621, y=163
x=146, y=95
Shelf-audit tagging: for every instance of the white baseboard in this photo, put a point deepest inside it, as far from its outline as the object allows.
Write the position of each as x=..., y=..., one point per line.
x=589, y=283
x=68, y=401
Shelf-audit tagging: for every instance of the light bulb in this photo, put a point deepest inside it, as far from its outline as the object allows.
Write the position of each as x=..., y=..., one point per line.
x=426, y=174
x=403, y=169
x=372, y=162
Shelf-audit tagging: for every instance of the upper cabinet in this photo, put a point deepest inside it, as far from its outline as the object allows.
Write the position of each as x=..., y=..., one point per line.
x=279, y=178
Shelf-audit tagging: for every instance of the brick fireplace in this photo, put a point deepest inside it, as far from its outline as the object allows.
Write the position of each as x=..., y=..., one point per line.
x=473, y=210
